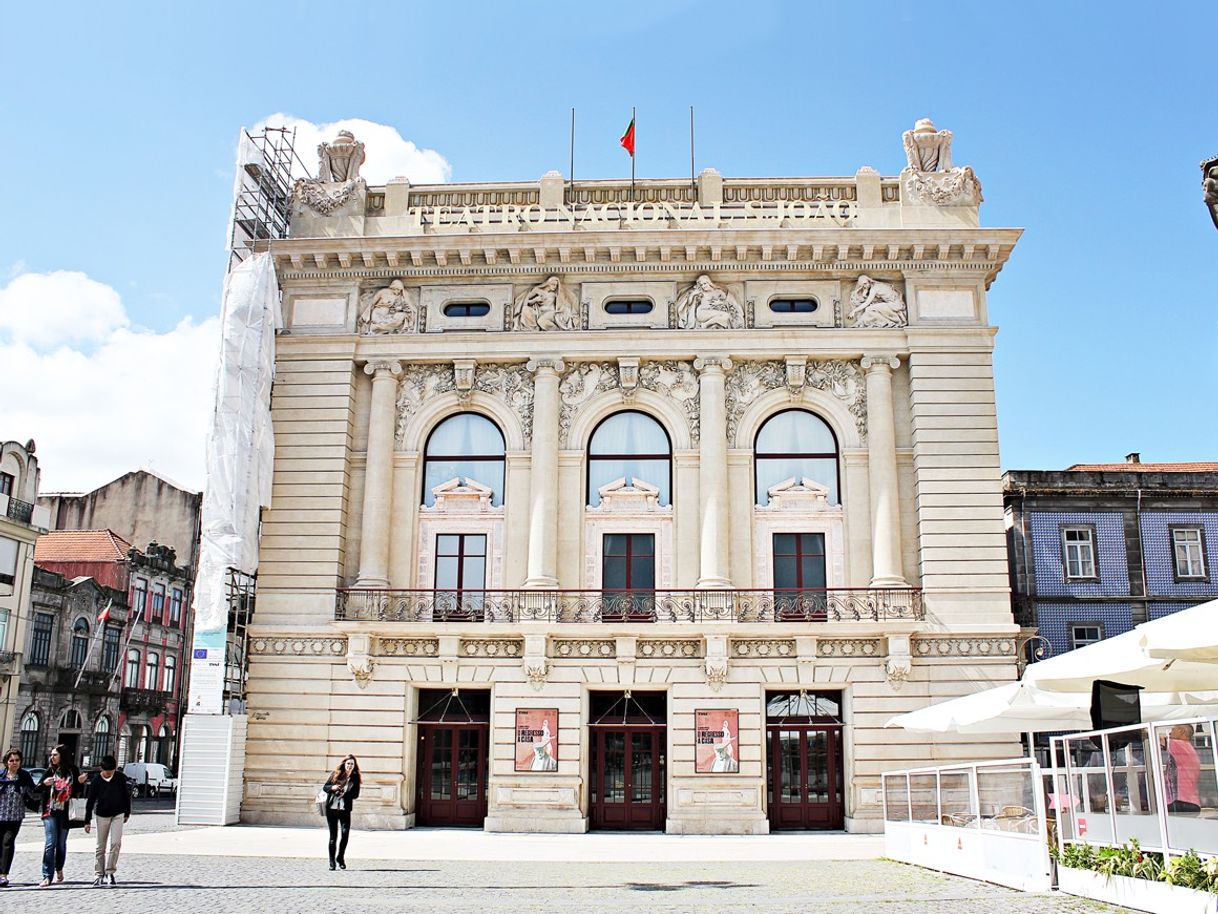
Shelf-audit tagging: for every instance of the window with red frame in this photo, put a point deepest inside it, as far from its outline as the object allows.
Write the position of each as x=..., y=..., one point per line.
x=158, y=603
x=175, y=606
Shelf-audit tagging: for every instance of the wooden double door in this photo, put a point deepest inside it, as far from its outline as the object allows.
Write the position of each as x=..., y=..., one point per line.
x=804, y=777
x=628, y=777
x=452, y=772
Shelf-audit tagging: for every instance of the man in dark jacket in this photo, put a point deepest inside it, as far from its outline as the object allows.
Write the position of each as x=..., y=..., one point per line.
x=109, y=796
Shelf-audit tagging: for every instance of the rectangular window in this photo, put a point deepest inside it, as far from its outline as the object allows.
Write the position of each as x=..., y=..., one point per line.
x=175, y=606
x=1078, y=551
x=158, y=603
x=1188, y=544
x=132, y=680
x=799, y=576
x=460, y=575
x=40, y=639
x=6, y=483
x=1084, y=633
x=111, y=643
x=628, y=577
x=3, y=629
x=8, y=560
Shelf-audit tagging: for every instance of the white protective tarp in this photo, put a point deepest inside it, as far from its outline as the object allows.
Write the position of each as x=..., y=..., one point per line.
x=240, y=443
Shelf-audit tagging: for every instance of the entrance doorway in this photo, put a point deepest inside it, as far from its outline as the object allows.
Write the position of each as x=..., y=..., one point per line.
x=453, y=757
x=804, y=770
x=627, y=753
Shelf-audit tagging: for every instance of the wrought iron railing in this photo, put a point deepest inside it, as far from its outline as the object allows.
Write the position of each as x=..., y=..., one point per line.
x=69, y=678
x=144, y=699
x=582, y=606
x=20, y=511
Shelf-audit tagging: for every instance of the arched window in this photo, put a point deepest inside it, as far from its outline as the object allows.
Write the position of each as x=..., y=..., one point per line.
x=171, y=673
x=795, y=443
x=164, y=750
x=132, y=679
x=101, y=738
x=632, y=445
x=30, y=740
x=464, y=446
x=152, y=671
x=80, y=642
x=69, y=720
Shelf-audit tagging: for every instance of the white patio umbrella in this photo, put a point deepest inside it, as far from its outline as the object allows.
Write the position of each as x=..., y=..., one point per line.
x=1190, y=634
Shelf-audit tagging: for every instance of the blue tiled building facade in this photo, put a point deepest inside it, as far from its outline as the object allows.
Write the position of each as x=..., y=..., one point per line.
x=1096, y=549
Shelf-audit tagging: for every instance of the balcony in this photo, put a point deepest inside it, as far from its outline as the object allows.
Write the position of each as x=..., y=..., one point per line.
x=604, y=606
x=91, y=681
x=144, y=700
x=23, y=512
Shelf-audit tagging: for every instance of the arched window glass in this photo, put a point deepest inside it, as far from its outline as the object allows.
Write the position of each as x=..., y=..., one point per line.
x=132, y=678
x=101, y=738
x=464, y=446
x=164, y=740
x=795, y=443
x=30, y=742
x=69, y=720
x=632, y=445
x=171, y=672
x=152, y=671
x=80, y=642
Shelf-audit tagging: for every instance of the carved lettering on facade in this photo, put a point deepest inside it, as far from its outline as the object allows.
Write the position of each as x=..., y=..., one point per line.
x=749, y=380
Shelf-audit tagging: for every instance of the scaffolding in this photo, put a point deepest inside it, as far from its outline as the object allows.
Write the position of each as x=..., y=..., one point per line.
x=262, y=193
x=241, y=588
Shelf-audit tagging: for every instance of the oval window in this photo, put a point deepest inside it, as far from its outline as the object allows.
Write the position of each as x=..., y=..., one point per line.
x=467, y=309
x=628, y=306
x=794, y=305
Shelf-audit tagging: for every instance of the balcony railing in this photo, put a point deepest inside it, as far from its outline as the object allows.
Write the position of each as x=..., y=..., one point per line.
x=20, y=511
x=584, y=606
x=89, y=681
x=144, y=700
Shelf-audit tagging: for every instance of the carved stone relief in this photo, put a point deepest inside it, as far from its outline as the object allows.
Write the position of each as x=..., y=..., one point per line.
x=763, y=647
x=299, y=647
x=602, y=649
x=387, y=310
x=749, y=380
x=932, y=179
x=877, y=304
x=409, y=647
x=546, y=306
x=706, y=306
x=513, y=384
x=675, y=380
x=665, y=650
x=499, y=647
x=964, y=647
x=337, y=180
x=850, y=647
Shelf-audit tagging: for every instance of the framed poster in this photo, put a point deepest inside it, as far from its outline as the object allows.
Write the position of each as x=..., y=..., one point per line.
x=717, y=742
x=536, y=739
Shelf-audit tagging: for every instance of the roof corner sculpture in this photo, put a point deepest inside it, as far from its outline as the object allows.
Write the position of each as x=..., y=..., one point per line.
x=337, y=180
x=1209, y=186
x=930, y=177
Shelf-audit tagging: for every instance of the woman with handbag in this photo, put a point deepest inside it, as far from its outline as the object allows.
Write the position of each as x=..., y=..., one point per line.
x=58, y=790
x=339, y=794
x=16, y=785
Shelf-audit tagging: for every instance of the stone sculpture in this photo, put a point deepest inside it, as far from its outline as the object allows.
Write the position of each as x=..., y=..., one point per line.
x=338, y=164
x=545, y=307
x=932, y=178
x=705, y=306
x=1209, y=186
x=390, y=311
x=876, y=304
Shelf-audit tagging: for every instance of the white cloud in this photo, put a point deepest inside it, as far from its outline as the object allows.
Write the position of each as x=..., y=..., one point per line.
x=104, y=398
x=388, y=154
x=44, y=309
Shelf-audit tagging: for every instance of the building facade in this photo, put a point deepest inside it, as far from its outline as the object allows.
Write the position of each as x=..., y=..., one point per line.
x=617, y=505
x=21, y=522
x=117, y=681
x=1099, y=548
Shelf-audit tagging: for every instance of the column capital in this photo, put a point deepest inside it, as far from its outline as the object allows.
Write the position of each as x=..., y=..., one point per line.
x=551, y=363
x=710, y=364
x=880, y=362
x=377, y=368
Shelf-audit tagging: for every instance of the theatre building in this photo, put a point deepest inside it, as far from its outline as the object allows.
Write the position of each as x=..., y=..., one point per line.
x=614, y=506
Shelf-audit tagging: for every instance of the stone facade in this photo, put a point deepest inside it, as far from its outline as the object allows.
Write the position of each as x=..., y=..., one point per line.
x=548, y=309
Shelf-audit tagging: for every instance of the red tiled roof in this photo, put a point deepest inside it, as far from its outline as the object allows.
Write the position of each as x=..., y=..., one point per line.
x=1202, y=467
x=80, y=546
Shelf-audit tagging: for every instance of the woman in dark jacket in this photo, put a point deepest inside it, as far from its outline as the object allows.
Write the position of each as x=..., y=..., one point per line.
x=15, y=786
x=60, y=785
x=342, y=790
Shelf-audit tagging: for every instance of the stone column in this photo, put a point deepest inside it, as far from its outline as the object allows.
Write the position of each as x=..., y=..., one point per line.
x=543, y=475
x=882, y=473
x=378, y=478
x=714, y=567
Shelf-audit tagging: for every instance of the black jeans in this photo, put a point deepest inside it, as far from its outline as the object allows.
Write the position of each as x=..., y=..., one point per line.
x=8, y=844
x=336, y=818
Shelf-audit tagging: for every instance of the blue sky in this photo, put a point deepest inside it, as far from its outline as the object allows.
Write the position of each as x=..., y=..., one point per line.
x=1085, y=123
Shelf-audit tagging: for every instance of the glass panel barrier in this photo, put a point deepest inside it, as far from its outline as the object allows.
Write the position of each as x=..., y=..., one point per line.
x=924, y=798
x=1006, y=799
x=956, y=799
x=1190, y=794
x=896, y=798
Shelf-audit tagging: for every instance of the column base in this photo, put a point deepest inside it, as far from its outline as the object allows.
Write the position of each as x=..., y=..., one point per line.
x=889, y=581
x=713, y=584
x=371, y=584
x=540, y=583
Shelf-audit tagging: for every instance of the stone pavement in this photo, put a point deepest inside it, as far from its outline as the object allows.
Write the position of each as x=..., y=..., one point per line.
x=167, y=870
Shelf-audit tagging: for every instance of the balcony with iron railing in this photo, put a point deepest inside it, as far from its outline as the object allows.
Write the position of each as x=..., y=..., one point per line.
x=20, y=511
x=144, y=700
x=70, y=678
x=631, y=606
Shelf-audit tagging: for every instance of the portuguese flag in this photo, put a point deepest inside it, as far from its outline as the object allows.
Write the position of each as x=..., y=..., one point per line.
x=627, y=139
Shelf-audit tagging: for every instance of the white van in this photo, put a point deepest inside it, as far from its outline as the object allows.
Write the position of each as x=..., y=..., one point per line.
x=149, y=778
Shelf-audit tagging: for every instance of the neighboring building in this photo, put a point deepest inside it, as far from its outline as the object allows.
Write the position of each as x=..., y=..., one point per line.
x=1098, y=548
x=21, y=522
x=141, y=506
x=625, y=505
x=149, y=682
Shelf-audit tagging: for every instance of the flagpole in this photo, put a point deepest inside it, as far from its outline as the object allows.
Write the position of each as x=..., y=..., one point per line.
x=691, y=146
x=634, y=123
x=572, y=171
x=99, y=628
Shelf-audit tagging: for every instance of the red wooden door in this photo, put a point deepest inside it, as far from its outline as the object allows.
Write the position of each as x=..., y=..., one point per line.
x=627, y=768
x=804, y=782
x=452, y=771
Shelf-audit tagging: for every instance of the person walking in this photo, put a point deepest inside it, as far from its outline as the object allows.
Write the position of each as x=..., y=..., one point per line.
x=342, y=790
x=58, y=788
x=15, y=785
x=109, y=796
